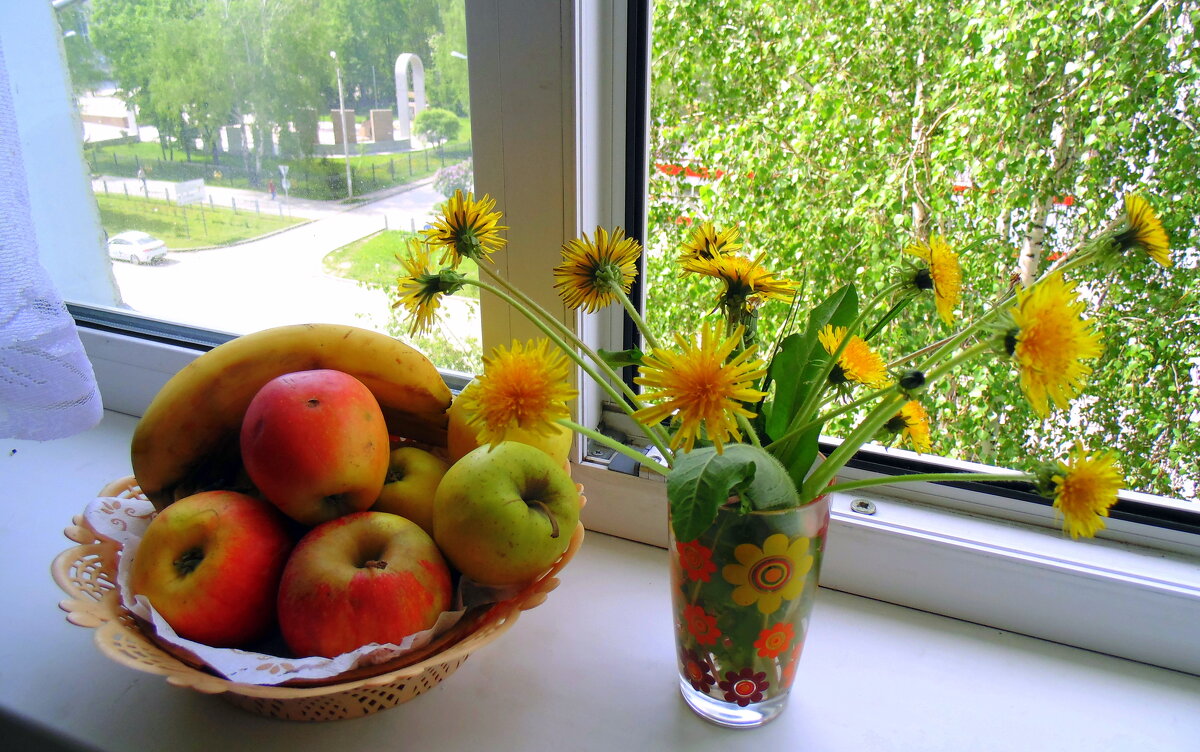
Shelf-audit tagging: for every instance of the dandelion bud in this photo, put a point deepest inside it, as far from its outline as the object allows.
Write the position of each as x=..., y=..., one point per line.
x=912, y=380
x=922, y=279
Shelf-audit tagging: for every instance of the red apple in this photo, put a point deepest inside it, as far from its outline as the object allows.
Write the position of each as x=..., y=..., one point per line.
x=211, y=563
x=316, y=445
x=363, y=578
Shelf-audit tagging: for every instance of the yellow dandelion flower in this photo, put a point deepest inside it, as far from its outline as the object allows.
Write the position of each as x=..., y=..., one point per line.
x=420, y=290
x=591, y=271
x=1145, y=231
x=744, y=279
x=912, y=425
x=1084, y=489
x=524, y=387
x=1050, y=341
x=944, y=274
x=858, y=362
x=707, y=243
x=699, y=384
x=770, y=575
x=466, y=228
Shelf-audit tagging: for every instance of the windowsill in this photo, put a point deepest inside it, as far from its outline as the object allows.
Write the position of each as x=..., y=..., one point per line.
x=591, y=668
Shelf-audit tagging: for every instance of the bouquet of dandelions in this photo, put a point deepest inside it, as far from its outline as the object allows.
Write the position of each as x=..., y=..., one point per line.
x=731, y=424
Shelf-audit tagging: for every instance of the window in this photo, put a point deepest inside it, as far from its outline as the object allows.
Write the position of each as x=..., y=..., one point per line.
x=835, y=137
x=215, y=127
x=550, y=128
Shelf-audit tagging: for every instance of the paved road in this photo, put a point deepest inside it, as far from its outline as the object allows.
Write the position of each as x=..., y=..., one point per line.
x=279, y=279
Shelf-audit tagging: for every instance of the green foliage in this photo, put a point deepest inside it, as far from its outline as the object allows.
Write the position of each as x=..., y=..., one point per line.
x=448, y=88
x=835, y=136
x=193, y=66
x=436, y=125
x=83, y=61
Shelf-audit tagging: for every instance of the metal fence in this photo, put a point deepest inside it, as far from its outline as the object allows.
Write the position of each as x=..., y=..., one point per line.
x=315, y=177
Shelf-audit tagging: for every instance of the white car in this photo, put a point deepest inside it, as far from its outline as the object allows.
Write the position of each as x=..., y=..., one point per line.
x=137, y=247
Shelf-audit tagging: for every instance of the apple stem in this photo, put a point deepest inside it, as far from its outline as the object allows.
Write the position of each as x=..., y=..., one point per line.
x=375, y=564
x=546, y=511
x=189, y=560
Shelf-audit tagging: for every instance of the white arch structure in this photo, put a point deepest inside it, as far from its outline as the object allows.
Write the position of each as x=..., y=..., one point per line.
x=406, y=62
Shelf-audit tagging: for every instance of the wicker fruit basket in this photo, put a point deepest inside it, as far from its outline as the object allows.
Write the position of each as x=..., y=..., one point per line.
x=87, y=573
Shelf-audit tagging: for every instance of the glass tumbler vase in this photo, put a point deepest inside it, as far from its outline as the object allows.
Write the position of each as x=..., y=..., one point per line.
x=742, y=593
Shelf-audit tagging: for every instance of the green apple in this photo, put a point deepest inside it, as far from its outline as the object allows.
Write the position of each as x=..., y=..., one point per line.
x=366, y=577
x=210, y=564
x=316, y=445
x=462, y=438
x=502, y=515
x=412, y=480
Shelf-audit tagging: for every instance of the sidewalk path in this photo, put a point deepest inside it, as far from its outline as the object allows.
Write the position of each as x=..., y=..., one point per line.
x=281, y=278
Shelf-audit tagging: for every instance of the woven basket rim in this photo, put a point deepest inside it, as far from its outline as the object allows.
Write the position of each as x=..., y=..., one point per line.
x=86, y=610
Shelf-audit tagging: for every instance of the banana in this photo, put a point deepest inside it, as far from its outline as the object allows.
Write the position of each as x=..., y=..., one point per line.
x=187, y=440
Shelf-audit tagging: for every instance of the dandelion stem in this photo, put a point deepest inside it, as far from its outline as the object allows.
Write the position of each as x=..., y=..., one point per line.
x=574, y=355
x=654, y=433
x=615, y=445
x=825, y=417
x=930, y=478
x=533, y=306
x=962, y=357
x=826, y=471
x=638, y=321
x=744, y=423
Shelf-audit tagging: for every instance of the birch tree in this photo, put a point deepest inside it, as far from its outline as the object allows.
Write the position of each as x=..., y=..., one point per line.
x=834, y=132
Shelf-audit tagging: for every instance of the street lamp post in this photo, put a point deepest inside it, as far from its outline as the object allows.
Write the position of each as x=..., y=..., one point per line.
x=345, y=136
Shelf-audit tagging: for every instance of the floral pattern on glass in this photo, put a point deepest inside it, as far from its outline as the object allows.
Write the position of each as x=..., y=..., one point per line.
x=770, y=575
x=696, y=561
x=775, y=639
x=701, y=625
x=745, y=686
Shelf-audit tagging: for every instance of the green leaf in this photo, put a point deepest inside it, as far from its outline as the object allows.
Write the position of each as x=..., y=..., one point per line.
x=703, y=480
x=622, y=358
x=794, y=370
x=800, y=354
x=699, y=484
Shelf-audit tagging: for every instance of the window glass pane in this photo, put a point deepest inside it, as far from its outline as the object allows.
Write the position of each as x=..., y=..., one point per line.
x=835, y=134
x=212, y=127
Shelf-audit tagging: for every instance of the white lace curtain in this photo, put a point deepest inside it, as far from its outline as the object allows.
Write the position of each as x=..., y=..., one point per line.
x=47, y=387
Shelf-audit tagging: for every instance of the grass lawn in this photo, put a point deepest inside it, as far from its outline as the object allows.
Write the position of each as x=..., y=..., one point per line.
x=185, y=227
x=372, y=260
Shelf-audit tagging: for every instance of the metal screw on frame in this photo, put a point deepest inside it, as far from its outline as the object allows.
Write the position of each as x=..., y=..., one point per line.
x=862, y=506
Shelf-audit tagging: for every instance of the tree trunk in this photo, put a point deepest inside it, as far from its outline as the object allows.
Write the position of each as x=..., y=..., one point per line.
x=214, y=143
x=1034, y=244
x=260, y=139
x=920, y=154
x=251, y=176
x=183, y=138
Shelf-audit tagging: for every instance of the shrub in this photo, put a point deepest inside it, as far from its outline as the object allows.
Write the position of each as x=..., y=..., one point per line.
x=437, y=126
x=456, y=177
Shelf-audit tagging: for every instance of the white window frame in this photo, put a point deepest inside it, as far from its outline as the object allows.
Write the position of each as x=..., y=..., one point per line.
x=547, y=85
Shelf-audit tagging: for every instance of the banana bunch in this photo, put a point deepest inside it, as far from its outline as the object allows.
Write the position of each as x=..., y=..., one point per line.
x=187, y=441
